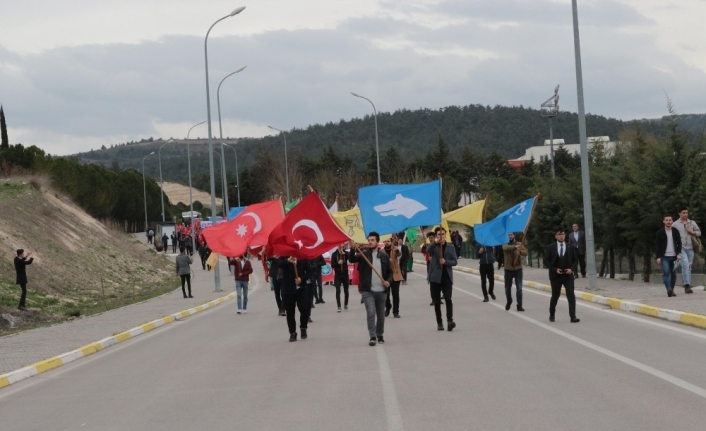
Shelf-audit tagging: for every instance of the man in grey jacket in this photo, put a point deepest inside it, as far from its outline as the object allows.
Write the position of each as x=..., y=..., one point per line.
x=183, y=270
x=442, y=259
x=688, y=229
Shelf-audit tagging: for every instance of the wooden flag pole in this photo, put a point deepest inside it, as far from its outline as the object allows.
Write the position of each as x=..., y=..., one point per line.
x=369, y=263
x=524, y=234
x=485, y=208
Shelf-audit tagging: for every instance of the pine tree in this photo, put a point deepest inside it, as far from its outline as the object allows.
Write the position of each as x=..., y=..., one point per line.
x=5, y=143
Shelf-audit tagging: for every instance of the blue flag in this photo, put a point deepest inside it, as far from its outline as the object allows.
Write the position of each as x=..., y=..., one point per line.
x=234, y=211
x=495, y=232
x=391, y=208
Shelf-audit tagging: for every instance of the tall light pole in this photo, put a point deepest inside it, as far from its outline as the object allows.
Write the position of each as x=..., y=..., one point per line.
x=191, y=199
x=216, y=273
x=550, y=109
x=144, y=186
x=222, y=186
x=377, y=146
x=223, y=158
x=237, y=177
x=286, y=163
x=585, y=179
x=161, y=182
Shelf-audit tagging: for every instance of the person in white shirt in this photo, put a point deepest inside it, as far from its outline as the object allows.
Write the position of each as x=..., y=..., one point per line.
x=688, y=229
x=668, y=251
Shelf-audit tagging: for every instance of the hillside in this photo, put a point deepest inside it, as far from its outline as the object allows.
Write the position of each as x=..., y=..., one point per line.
x=80, y=266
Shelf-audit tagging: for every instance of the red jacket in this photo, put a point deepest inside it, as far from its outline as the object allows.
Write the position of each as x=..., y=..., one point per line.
x=242, y=269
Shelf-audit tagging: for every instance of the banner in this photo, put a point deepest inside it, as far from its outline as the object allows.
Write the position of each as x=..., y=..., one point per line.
x=392, y=208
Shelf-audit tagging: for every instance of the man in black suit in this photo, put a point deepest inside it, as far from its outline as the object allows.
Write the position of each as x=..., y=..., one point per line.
x=21, y=261
x=577, y=240
x=560, y=258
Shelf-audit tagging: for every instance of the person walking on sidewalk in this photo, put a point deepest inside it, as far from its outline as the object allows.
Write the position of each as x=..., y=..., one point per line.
x=150, y=235
x=242, y=268
x=688, y=231
x=339, y=261
x=294, y=293
x=183, y=269
x=442, y=259
x=174, y=242
x=577, y=240
x=486, y=258
x=561, y=258
x=373, y=289
x=21, y=261
x=165, y=242
x=668, y=251
x=513, y=252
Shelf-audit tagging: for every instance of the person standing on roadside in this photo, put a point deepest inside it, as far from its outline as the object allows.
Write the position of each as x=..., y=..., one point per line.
x=165, y=242
x=183, y=270
x=242, y=270
x=174, y=242
x=486, y=259
x=150, y=235
x=577, y=240
x=668, y=251
x=21, y=261
x=688, y=230
x=560, y=258
x=339, y=262
x=442, y=260
x=513, y=252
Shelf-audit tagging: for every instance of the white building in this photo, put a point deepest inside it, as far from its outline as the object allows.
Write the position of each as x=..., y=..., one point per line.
x=541, y=153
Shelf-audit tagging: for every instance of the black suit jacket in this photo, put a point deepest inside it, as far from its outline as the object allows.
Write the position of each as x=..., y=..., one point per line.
x=553, y=262
x=579, y=245
x=20, y=263
x=661, y=242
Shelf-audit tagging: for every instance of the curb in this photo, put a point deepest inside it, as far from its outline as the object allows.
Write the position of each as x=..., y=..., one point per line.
x=691, y=319
x=89, y=349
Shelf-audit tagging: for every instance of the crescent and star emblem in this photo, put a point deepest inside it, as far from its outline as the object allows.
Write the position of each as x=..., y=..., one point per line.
x=313, y=226
x=258, y=222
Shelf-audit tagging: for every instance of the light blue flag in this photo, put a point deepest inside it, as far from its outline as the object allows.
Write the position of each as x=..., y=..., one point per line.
x=515, y=219
x=391, y=208
x=234, y=211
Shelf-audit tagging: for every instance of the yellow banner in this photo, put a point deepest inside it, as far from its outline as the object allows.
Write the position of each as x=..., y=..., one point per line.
x=352, y=224
x=212, y=261
x=468, y=215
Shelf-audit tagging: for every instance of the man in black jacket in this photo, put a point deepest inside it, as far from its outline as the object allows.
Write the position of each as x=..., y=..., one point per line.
x=372, y=287
x=294, y=293
x=317, y=263
x=668, y=251
x=21, y=261
x=560, y=258
x=339, y=262
x=577, y=240
x=442, y=259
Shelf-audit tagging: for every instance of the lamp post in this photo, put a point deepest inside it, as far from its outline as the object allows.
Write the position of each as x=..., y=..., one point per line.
x=144, y=186
x=222, y=186
x=161, y=182
x=585, y=179
x=191, y=199
x=223, y=159
x=237, y=177
x=216, y=273
x=377, y=147
x=286, y=163
x=550, y=109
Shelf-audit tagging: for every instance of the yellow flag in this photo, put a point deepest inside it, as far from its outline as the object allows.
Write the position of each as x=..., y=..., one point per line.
x=468, y=215
x=352, y=224
x=445, y=225
x=212, y=261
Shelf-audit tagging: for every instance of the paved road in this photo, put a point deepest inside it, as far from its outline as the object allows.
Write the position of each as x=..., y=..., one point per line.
x=501, y=370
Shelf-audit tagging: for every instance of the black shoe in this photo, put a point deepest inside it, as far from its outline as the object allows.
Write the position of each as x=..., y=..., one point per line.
x=492, y=295
x=440, y=326
x=486, y=299
x=507, y=306
x=311, y=320
x=345, y=307
x=519, y=308
x=313, y=306
x=387, y=312
x=303, y=333
x=551, y=318
x=372, y=342
x=293, y=336
x=362, y=301
x=186, y=297
x=575, y=320
x=671, y=293
x=451, y=325
x=381, y=340
x=441, y=302
x=190, y=296
x=432, y=303
x=321, y=301
x=396, y=315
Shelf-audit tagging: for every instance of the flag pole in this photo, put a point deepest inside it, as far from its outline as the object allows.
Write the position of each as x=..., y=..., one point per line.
x=369, y=263
x=485, y=207
x=529, y=220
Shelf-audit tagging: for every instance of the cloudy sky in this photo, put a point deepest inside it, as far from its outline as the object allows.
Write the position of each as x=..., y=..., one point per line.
x=78, y=74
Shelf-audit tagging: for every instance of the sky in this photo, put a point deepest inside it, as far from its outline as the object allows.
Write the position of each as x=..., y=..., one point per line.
x=79, y=74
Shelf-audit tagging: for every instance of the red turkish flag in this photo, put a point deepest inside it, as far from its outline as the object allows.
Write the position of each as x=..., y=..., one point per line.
x=306, y=231
x=251, y=227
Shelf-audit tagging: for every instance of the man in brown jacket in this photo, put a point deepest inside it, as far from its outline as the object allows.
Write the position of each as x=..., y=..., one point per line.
x=513, y=252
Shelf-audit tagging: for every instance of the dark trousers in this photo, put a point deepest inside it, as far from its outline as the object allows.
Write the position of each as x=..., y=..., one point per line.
x=581, y=263
x=338, y=280
x=311, y=293
x=174, y=245
x=203, y=260
x=23, y=296
x=277, y=285
x=487, y=273
x=185, y=279
x=403, y=268
x=436, y=290
x=149, y=239
x=291, y=302
x=319, y=294
x=567, y=281
x=393, y=291
x=509, y=277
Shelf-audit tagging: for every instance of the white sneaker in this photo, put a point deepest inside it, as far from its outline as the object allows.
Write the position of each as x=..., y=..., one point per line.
x=339, y=309
x=245, y=311
x=239, y=311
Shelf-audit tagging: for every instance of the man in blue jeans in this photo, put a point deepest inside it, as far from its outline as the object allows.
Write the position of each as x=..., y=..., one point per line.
x=242, y=271
x=688, y=231
x=668, y=251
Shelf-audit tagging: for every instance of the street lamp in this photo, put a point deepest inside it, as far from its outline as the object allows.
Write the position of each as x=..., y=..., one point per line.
x=144, y=186
x=237, y=177
x=286, y=164
x=216, y=273
x=161, y=182
x=223, y=160
x=191, y=199
x=222, y=186
x=377, y=147
x=550, y=109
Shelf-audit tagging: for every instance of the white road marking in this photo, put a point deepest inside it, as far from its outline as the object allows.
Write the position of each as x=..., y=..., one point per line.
x=392, y=407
